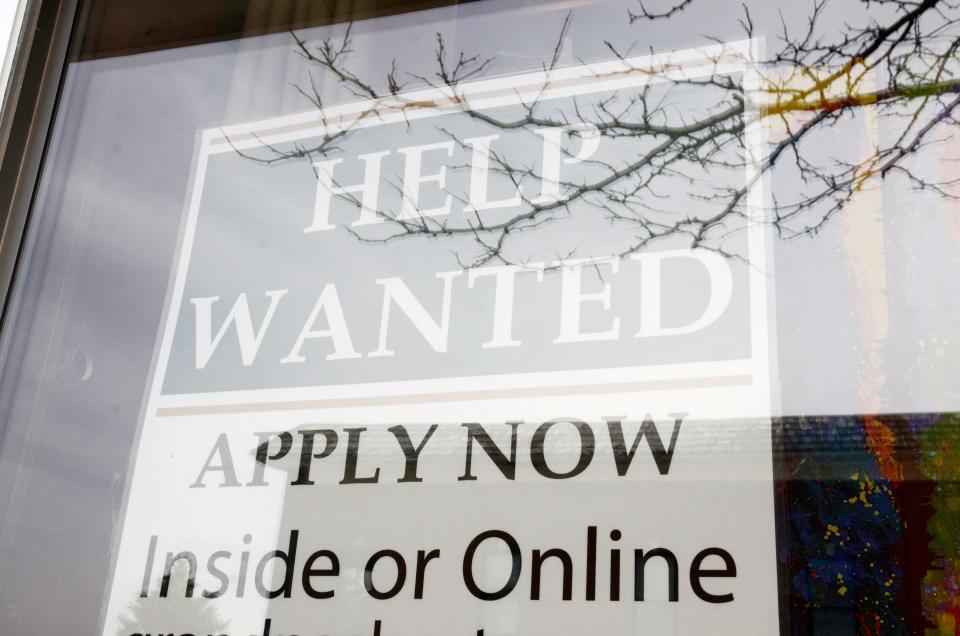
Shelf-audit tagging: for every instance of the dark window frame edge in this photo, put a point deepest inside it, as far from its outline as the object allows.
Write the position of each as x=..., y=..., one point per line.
x=34, y=87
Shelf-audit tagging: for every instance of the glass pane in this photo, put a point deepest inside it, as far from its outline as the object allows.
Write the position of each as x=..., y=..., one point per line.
x=489, y=318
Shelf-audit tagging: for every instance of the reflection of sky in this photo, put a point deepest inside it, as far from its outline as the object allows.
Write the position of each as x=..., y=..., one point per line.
x=110, y=208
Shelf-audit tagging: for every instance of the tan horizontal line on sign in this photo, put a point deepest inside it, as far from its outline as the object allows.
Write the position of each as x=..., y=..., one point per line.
x=456, y=396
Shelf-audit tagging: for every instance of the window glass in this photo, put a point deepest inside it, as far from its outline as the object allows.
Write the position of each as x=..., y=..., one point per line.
x=489, y=318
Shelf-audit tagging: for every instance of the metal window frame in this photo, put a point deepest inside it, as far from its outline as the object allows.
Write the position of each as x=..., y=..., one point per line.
x=26, y=119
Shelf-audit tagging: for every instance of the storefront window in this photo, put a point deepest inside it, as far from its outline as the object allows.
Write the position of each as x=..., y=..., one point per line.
x=489, y=318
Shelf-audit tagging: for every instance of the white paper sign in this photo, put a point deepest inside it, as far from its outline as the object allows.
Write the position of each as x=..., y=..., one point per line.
x=344, y=436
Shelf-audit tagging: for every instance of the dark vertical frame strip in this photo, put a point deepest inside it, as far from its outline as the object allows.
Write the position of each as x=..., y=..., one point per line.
x=35, y=82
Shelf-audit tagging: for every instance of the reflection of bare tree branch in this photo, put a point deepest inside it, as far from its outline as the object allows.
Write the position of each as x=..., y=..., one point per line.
x=645, y=14
x=905, y=67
